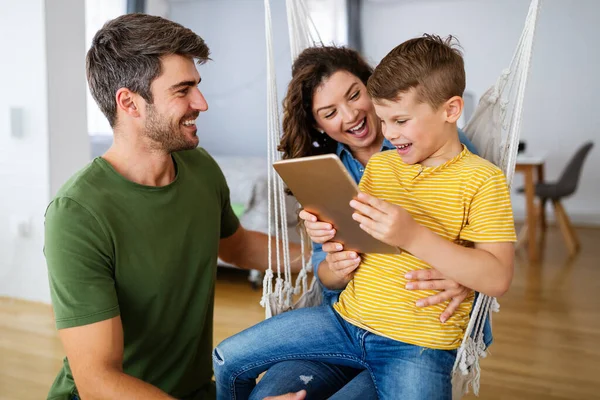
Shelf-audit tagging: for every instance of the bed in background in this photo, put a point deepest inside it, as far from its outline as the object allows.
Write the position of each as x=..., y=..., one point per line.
x=247, y=181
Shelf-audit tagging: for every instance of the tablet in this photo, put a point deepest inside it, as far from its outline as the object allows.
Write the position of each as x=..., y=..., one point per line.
x=323, y=187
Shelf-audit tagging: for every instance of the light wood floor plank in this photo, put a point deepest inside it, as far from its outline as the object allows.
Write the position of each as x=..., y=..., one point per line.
x=546, y=346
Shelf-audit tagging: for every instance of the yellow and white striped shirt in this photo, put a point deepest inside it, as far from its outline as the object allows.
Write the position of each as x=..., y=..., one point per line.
x=464, y=200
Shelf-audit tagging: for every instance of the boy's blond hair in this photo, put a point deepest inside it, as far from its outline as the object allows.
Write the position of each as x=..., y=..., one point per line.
x=430, y=64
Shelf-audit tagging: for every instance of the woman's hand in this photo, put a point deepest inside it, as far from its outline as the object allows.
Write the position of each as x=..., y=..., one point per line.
x=319, y=232
x=341, y=263
x=432, y=279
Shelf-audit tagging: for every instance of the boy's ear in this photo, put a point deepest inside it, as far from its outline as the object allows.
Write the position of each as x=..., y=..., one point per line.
x=453, y=109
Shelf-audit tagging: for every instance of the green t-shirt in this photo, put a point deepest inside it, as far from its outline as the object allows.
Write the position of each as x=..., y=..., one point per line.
x=148, y=254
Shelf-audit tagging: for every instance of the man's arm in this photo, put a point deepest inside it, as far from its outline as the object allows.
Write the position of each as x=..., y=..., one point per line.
x=86, y=306
x=95, y=354
x=250, y=250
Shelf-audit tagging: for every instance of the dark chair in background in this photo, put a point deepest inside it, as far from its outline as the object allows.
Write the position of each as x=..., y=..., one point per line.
x=564, y=187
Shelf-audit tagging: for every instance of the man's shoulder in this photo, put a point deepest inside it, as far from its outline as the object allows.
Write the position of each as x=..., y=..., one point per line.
x=83, y=189
x=84, y=183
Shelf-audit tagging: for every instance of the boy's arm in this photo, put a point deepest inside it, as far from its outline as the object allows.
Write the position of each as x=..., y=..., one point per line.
x=487, y=268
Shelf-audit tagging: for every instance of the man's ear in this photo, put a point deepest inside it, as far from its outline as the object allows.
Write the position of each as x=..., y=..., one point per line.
x=128, y=102
x=453, y=109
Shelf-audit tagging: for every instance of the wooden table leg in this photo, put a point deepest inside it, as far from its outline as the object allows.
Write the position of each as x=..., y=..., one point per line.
x=531, y=214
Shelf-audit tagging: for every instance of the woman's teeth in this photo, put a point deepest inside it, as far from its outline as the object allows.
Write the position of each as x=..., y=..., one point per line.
x=358, y=127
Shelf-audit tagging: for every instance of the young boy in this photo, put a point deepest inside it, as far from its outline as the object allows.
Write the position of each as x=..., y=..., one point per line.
x=445, y=207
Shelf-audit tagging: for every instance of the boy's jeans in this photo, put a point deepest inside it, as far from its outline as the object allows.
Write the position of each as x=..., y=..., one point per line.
x=398, y=370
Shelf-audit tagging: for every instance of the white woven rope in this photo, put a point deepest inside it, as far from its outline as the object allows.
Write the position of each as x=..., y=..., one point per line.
x=279, y=298
x=502, y=106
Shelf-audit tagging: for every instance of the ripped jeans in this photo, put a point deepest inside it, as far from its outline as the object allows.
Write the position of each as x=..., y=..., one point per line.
x=398, y=370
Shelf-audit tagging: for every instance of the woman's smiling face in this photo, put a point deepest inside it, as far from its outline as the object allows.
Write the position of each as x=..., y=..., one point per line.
x=343, y=109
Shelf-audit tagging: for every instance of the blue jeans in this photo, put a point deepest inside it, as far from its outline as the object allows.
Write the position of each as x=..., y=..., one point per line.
x=327, y=381
x=319, y=334
x=330, y=381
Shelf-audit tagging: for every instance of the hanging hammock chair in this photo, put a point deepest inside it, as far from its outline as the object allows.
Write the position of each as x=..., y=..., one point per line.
x=494, y=129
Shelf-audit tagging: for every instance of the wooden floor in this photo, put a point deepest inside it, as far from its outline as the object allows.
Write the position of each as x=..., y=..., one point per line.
x=547, y=335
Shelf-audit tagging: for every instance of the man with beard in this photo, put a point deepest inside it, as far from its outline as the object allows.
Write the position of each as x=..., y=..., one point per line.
x=132, y=239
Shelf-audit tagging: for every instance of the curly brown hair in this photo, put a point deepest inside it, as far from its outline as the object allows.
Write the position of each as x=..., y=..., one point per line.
x=314, y=65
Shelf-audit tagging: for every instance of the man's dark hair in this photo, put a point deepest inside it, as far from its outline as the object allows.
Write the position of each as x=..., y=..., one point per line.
x=127, y=53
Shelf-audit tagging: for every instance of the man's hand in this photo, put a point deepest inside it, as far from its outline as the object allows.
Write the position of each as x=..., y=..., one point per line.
x=386, y=222
x=432, y=279
x=301, y=395
x=319, y=232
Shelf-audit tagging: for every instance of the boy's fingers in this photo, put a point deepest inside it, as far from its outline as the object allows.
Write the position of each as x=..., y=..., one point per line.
x=374, y=202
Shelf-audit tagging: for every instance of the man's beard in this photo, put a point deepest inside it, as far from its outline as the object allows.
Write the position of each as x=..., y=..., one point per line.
x=164, y=134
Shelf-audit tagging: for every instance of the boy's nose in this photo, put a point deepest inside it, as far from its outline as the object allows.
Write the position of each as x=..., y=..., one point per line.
x=391, y=132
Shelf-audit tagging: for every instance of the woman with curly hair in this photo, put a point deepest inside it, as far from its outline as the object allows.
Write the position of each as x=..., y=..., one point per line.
x=327, y=110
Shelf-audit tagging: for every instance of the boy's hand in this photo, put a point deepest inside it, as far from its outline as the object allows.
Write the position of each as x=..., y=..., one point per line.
x=387, y=222
x=319, y=232
x=341, y=263
x=432, y=279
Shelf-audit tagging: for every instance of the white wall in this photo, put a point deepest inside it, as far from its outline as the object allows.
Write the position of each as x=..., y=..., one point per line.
x=561, y=100
x=67, y=116
x=234, y=82
x=24, y=180
x=25, y=170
